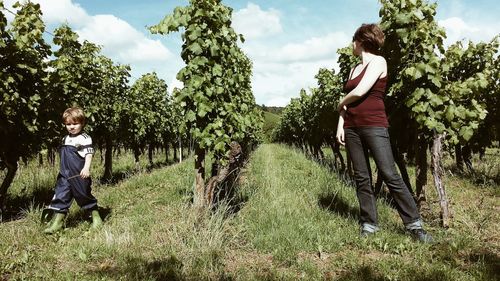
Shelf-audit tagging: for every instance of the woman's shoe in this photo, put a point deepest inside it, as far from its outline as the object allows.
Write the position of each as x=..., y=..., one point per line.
x=366, y=233
x=421, y=235
x=368, y=229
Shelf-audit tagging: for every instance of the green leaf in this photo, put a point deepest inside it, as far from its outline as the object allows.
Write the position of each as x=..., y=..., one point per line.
x=413, y=72
x=217, y=70
x=195, y=48
x=435, y=81
x=191, y=116
x=430, y=124
x=466, y=133
x=435, y=100
x=195, y=33
x=450, y=113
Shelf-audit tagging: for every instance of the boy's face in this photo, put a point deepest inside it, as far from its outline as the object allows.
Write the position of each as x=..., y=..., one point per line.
x=73, y=127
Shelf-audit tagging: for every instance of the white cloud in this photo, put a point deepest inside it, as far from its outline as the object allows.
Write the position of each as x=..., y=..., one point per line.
x=8, y=5
x=109, y=30
x=278, y=101
x=275, y=83
x=253, y=22
x=314, y=48
x=145, y=51
x=457, y=30
x=175, y=84
x=121, y=41
x=57, y=11
x=280, y=72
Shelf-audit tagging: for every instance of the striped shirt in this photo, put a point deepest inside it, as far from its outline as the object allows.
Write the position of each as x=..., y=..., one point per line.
x=82, y=142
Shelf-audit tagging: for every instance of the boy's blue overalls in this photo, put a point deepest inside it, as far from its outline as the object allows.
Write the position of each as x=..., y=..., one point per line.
x=70, y=184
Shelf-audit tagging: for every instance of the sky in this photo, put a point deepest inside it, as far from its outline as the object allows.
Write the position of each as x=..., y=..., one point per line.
x=287, y=40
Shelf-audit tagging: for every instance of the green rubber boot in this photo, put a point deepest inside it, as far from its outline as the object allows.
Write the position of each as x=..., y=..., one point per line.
x=56, y=224
x=96, y=219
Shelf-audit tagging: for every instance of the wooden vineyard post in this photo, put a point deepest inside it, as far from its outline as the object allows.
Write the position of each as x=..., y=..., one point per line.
x=437, y=172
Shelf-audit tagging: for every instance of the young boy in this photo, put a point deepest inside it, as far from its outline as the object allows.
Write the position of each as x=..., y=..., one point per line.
x=74, y=180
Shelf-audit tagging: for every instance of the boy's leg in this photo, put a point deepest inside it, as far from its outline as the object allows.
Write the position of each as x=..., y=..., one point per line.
x=81, y=190
x=60, y=204
x=83, y=196
x=62, y=196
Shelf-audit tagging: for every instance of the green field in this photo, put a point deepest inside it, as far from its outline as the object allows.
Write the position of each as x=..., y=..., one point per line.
x=292, y=219
x=271, y=120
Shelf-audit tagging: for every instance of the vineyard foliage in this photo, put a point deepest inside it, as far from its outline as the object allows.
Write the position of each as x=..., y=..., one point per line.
x=215, y=107
x=216, y=99
x=23, y=55
x=431, y=90
x=433, y=94
x=38, y=83
x=149, y=113
x=310, y=120
x=81, y=76
x=471, y=80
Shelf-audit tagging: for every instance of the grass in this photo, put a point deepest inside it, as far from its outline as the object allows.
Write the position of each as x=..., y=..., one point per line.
x=295, y=221
x=271, y=120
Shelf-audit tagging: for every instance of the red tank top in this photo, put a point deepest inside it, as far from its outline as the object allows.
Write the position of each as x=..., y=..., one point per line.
x=369, y=110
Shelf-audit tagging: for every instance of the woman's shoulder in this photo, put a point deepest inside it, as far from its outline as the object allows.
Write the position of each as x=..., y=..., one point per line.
x=379, y=60
x=378, y=64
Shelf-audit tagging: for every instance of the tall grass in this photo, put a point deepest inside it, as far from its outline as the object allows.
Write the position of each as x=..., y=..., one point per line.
x=305, y=219
x=295, y=221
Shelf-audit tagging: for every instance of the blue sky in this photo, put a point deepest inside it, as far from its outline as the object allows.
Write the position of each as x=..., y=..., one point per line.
x=287, y=40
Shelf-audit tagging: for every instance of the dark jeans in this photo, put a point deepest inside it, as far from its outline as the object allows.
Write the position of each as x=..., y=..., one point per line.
x=376, y=140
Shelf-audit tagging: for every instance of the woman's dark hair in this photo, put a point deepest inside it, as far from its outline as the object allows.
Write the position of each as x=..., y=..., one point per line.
x=370, y=36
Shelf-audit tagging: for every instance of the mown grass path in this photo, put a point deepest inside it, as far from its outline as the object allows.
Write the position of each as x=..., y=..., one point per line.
x=303, y=219
x=296, y=205
x=295, y=220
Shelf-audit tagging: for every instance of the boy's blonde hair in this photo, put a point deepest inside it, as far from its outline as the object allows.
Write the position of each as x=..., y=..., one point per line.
x=74, y=114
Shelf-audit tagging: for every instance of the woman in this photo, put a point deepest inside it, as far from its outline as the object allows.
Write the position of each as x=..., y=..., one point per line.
x=363, y=126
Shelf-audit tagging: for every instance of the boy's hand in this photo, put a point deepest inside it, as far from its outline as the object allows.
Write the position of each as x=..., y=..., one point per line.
x=85, y=173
